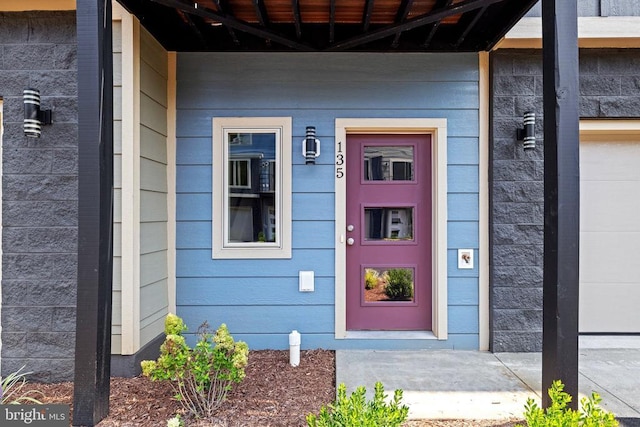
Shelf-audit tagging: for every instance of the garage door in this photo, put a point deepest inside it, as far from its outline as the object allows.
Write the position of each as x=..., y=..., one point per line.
x=610, y=235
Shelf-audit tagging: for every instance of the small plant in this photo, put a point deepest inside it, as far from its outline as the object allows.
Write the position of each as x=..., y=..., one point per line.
x=355, y=411
x=12, y=389
x=175, y=422
x=400, y=284
x=590, y=414
x=201, y=376
x=370, y=278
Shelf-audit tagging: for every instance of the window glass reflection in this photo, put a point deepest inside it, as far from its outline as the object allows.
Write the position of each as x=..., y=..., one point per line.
x=388, y=223
x=388, y=284
x=251, y=187
x=393, y=163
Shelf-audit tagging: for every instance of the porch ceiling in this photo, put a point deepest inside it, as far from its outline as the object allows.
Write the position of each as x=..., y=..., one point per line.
x=328, y=25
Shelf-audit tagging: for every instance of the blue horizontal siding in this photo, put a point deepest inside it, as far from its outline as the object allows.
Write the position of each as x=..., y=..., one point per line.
x=196, y=123
x=462, y=151
x=193, y=207
x=463, y=234
x=194, y=151
x=313, y=206
x=294, y=94
x=317, y=178
x=193, y=179
x=462, y=206
x=463, y=319
x=328, y=67
x=198, y=263
x=259, y=299
x=462, y=178
x=306, y=235
x=225, y=291
x=266, y=319
x=462, y=291
x=310, y=341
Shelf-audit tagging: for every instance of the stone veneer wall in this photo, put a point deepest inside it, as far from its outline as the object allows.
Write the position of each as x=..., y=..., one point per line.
x=40, y=196
x=609, y=89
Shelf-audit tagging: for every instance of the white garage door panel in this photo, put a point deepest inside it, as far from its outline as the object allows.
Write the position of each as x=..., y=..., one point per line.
x=610, y=236
x=614, y=311
x=610, y=200
x=609, y=257
x=609, y=161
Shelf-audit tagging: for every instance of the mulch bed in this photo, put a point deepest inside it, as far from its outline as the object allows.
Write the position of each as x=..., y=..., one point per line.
x=273, y=394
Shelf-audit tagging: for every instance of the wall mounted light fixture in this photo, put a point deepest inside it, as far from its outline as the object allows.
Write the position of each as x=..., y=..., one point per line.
x=527, y=134
x=310, y=146
x=34, y=117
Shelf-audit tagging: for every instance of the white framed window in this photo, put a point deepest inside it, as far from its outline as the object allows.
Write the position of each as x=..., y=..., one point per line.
x=251, y=187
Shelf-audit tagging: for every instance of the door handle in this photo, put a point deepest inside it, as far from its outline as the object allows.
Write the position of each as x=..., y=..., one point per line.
x=350, y=241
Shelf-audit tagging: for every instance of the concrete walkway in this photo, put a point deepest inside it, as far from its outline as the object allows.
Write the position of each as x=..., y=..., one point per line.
x=443, y=384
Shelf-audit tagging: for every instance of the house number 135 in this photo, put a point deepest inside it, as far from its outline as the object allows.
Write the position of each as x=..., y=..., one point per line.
x=339, y=161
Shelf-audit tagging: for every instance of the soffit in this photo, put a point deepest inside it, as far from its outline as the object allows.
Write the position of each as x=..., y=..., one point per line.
x=328, y=25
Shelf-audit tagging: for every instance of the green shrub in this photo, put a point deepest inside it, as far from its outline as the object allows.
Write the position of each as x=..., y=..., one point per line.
x=202, y=376
x=355, y=411
x=400, y=284
x=557, y=414
x=370, y=278
x=13, y=392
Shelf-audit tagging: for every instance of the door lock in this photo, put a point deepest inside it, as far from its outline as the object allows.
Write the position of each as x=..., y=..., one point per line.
x=350, y=227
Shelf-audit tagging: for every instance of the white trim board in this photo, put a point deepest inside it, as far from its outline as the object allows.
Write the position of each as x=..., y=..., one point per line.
x=171, y=179
x=593, y=32
x=438, y=129
x=130, y=293
x=483, y=196
x=609, y=128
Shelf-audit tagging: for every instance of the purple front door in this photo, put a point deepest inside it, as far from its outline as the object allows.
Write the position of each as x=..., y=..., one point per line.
x=389, y=228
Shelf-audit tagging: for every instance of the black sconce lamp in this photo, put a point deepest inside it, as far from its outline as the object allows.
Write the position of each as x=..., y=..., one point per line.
x=310, y=146
x=527, y=134
x=34, y=117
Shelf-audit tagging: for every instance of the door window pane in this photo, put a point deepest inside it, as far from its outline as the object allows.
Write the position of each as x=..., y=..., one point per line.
x=393, y=163
x=388, y=284
x=388, y=223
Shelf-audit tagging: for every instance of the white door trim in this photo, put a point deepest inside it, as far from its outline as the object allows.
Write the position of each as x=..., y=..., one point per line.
x=438, y=129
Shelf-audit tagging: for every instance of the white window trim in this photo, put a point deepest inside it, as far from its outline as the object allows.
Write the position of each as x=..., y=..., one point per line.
x=438, y=129
x=257, y=250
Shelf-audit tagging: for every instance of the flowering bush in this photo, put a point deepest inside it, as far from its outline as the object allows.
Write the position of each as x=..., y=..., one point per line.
x=201, y=376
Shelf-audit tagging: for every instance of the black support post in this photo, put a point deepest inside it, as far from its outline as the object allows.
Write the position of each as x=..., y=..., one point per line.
x=561, y=196
x=95, y=212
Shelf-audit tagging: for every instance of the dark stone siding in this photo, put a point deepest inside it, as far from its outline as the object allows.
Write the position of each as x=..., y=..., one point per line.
x=609, y=88
x=40, y=196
